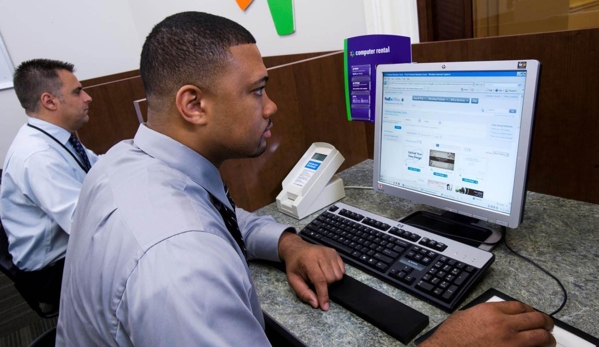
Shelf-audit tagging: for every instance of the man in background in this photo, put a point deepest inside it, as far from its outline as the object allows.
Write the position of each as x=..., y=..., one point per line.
x=160, y=254
x=42, y=174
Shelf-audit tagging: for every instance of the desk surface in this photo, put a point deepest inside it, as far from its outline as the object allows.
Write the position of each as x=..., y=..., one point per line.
x=559, y=234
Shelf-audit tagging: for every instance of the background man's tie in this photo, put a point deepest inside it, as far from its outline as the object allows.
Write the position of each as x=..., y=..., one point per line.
x=79, y=149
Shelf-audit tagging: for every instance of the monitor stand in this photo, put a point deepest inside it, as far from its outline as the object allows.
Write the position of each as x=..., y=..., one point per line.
x=457, y=227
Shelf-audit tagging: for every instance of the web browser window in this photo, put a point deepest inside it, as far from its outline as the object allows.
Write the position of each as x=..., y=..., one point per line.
x=453, y=134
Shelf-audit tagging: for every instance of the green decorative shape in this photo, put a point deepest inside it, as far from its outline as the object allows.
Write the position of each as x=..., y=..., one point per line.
x=346, y=74
x=282, y=15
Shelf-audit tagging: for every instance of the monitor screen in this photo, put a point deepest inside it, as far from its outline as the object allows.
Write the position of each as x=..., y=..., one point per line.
x=456, y=135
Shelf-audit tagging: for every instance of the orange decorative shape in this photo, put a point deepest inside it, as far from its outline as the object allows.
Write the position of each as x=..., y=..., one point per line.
x=243, y=4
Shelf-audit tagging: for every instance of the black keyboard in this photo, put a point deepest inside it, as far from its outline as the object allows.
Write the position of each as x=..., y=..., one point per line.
x=431, y=267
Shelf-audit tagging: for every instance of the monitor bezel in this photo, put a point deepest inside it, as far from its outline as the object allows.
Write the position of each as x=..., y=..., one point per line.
x=512, y=220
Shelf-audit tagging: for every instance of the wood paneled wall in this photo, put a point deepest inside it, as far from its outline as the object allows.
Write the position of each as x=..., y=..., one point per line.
x=311, y=107
x=565, y=150
x=444, y=20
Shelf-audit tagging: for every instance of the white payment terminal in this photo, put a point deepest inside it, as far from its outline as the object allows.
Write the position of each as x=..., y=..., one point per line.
x=311, y=184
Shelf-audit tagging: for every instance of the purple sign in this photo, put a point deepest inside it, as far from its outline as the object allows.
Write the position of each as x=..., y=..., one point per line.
x=362, y=55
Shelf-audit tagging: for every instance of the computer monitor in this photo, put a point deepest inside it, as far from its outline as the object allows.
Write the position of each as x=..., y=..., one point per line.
x=456, y=136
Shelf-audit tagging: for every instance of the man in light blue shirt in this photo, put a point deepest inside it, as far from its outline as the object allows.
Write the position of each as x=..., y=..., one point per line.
x=160, y=253
x=43, y=172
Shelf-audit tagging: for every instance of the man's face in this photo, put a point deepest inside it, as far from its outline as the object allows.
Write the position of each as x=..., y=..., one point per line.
x=73, y=103
x=240, y=108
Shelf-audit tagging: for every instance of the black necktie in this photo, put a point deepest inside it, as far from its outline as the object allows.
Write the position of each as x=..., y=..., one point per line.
x=79, y=149
x=230, y=219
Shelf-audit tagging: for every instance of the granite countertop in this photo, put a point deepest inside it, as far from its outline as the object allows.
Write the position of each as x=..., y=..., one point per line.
x=559, y=234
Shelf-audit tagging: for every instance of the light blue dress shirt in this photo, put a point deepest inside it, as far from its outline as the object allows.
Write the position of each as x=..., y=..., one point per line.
x=39, y=192
x=152, y=262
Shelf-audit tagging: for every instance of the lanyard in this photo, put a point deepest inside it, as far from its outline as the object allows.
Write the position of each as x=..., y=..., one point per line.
x=63, y=146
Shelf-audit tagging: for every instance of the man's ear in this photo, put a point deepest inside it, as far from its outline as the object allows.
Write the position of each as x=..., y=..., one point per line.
x=49, y=101
x=191, y=104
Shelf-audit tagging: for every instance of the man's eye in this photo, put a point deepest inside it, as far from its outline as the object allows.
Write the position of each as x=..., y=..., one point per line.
x=259, y=91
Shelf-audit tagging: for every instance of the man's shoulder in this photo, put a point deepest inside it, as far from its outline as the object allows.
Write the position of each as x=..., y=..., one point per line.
x=150, y=197
x=25, y=145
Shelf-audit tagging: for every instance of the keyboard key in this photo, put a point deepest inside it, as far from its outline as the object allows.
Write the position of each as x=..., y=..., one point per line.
x=383, y=258
x=449, y=293
x=426, y=287
x=409, y=279
x=390, y=253
x=382, y=266
x=398, y=249
x=461, y=278
x=401, y=243
x=407, y=269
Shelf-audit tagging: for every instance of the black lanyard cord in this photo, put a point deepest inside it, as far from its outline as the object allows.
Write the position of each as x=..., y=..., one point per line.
x=63, y=146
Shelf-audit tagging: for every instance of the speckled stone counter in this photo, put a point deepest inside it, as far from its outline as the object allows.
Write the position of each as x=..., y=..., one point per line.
x=559, y=234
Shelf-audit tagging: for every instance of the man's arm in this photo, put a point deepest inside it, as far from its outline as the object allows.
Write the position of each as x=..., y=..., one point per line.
x=498, y=324
x=51, y=184
x=305, y=263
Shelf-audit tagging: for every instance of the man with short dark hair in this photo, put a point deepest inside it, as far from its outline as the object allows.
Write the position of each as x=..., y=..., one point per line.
x=160, y=255
x=43, y=172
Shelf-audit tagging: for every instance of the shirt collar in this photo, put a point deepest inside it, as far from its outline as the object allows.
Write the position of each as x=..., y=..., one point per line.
x=59, y=133
x=182, y=158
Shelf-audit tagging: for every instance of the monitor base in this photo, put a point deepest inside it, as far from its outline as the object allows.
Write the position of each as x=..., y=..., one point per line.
x=457, y=227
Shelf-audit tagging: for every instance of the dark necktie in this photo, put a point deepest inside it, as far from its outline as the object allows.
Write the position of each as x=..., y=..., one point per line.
x=230, y=220
x=79, y=149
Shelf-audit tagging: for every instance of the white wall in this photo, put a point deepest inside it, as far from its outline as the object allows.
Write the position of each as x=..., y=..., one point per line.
x=105, y=37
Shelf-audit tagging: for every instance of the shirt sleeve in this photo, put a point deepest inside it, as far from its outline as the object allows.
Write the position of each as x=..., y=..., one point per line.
x=261, y=235
x=190, y=290
x=51, y=184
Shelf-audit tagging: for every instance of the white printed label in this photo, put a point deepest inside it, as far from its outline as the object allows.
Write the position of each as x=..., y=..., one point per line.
x=306, y=173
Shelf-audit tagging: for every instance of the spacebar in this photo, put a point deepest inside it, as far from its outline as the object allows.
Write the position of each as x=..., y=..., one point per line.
x=338, y=246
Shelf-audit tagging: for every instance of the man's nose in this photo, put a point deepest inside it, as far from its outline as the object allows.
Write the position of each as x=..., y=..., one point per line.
x=270, y=108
